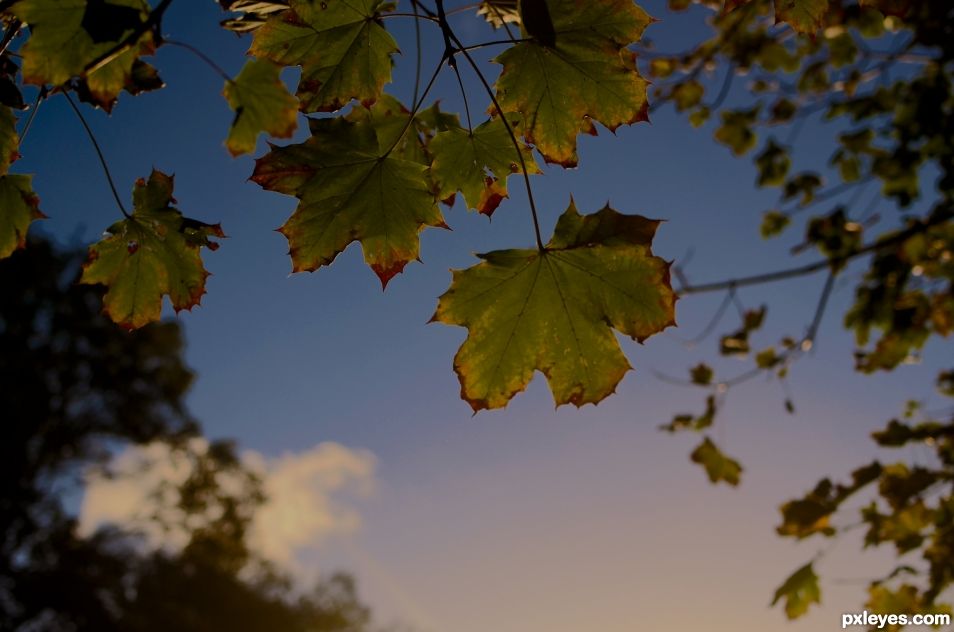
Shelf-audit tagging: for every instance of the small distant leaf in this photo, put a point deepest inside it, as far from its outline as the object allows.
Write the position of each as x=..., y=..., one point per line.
x=342, y=48
x=701, y=374
x=153, y=253
x=693, y=423
x=773, y=164
x=805, y=16
x=718, y=466
x=19, y=207
x=350, y=189
x=588, y=73
x=477, y=164
x=773, y=223
x=736, y=130
x=65, y=39
x=799, y=591
x=554, y=310
x=261, y=104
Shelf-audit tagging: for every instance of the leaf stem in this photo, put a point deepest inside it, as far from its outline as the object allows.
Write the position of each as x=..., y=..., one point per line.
x=36, y=106
x=205, y=58
x=99, y=153
x=452, y=37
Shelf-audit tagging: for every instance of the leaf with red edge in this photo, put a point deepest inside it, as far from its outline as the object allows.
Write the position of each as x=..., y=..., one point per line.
x=477, y=163
x=351, y=188
x=587, y=74
x=554, y=310
x=151, y=254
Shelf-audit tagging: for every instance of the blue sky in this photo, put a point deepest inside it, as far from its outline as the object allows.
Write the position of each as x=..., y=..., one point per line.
x=529, y=519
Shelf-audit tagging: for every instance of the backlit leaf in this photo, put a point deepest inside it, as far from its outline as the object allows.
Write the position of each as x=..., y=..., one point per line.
x=350, y=189
x=343, y=50
x=719, y=467
x=19, y=206
x=588, y=75
x=68, y=36
x=799, y=591
x=261, y=104
x=477, y=164
x=151, y=254
x=554, y=310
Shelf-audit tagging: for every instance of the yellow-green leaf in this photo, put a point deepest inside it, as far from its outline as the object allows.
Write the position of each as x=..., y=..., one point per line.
x=478, y=163
x=587, y=75
x=151, y=254
x=261, y=104
x=19, y=206
x=350, y=189
x=718, y=466
x=805, y=16
x=342, y=48
x=554, y=310
x=799, y=591
x=68, y=36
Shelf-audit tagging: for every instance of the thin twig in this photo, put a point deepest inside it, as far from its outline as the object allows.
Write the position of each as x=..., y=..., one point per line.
x=205, y=58
x=503, y=117
x=8, y=36
x=99, y=153
x=29, y=122
x=811, y=268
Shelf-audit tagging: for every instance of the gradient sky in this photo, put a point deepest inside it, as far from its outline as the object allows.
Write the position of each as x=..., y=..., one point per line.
x=529, y=519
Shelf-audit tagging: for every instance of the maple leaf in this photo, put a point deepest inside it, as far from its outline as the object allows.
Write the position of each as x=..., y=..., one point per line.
x=805, y=16
x=350, y=189
x=588, y=74
x=718, y=466
x=799, y=591
x=261, y=104
x=9, y=139
x=152, y=253
x=554, y=310
x=67, y=36
x=19, y=206
x=389, y=118
x=462, y=160
x=343, y=50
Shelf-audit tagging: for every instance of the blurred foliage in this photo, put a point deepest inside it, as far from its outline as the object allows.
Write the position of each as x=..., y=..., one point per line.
x=77, y=389
x=878, y=75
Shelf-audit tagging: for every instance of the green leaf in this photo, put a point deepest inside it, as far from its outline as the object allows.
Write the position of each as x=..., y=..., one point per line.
x=19, y=206
x=718, y=466
x=691, y=422
x=9, y=139
x=554, y=310
x=67, y=36
x=478, y=163
x=799, y=591
x=350, y=189
x=261, y=104
x=151, y=254
x=736, y=130
x=342, y=48
x=805, y=16
x=588, y=75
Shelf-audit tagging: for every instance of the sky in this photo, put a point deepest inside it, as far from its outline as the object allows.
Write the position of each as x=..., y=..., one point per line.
x=529, y=519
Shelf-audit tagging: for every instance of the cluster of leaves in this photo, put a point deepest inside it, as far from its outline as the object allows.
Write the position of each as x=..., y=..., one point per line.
x=77, y=389
x=880, y=73
x=375, y=170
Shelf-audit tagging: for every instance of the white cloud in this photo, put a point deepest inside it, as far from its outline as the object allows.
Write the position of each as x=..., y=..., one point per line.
x=302, y=507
